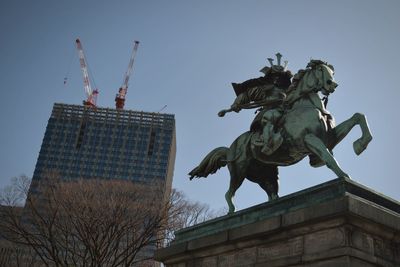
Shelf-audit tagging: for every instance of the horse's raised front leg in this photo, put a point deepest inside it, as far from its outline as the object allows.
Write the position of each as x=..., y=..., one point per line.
x=317, y=147
x=337, y=134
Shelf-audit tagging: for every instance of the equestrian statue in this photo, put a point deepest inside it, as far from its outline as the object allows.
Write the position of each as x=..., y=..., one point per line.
x=292, y=122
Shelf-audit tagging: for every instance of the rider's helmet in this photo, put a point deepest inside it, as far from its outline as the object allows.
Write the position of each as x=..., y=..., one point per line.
x=278, y=73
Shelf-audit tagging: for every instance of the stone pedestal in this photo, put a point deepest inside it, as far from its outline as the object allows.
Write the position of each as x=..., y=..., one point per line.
x=335, y=224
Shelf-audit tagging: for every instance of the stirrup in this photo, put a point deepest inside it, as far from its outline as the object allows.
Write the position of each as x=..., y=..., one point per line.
x=267, y=150
x=257, y=142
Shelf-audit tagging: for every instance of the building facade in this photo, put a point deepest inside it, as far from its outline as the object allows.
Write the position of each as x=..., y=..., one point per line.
x=85, y=142
x=102, y=143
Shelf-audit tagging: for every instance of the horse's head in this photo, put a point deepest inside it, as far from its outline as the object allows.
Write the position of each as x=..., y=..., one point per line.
x=321, y=76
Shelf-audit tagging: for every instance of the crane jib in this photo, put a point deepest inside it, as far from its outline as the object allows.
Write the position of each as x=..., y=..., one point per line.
x=120, y=98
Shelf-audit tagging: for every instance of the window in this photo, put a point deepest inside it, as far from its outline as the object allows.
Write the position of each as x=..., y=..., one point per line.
x=151, y=143
x=81, y=134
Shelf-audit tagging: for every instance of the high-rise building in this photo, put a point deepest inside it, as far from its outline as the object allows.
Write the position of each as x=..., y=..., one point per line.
x=87, y=142
x=83, y=142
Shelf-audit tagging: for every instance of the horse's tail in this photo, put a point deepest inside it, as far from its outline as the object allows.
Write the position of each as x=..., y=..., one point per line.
x=211, y=163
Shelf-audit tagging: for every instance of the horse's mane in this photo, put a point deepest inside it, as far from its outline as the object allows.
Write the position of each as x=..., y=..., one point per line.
x=316, y=62
x=294, y=92
x=300, y=73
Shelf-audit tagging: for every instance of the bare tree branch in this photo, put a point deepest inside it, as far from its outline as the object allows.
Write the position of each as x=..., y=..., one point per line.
x=94, y=222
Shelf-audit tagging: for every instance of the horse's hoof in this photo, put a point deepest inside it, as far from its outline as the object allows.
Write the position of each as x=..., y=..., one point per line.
x=361, y=144
x=273, y=197
x=359, y=147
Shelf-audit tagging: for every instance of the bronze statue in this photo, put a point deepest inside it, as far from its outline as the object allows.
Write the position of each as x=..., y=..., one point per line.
x=292, y=123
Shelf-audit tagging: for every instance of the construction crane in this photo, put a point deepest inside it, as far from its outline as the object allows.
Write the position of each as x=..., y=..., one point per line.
x=120, y=97
x=90, y=93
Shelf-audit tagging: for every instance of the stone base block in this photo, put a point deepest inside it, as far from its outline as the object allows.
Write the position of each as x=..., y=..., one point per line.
x=338, y=223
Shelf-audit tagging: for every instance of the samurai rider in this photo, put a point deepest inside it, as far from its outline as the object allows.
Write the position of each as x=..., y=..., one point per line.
x=267, y=93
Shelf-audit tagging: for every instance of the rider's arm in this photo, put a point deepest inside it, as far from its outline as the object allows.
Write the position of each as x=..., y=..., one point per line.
x=241, y=99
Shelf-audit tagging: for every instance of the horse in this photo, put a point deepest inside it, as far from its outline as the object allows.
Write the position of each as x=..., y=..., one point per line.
x=308, y=129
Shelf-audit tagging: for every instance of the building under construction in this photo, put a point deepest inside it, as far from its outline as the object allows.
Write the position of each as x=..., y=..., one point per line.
x=85, y=142
x=82, y=142
x=91, y=142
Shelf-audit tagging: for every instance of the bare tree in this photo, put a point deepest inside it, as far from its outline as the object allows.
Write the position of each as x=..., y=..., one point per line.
x=95, y=222
x=14, y=195
x=12, y=200
x=185, y=213
x=89, y=222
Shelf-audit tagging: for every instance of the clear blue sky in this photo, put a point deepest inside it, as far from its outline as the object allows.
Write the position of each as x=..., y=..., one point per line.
x=189, y=54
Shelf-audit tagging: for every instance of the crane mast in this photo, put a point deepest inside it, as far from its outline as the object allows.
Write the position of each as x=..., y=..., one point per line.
x=90, y=93
x=120, y=97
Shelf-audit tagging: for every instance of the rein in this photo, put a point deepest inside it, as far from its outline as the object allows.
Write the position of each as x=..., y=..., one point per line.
x=325, y=100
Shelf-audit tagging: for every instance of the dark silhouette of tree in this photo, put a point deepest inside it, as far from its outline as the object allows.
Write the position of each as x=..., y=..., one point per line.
x=92, y=222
